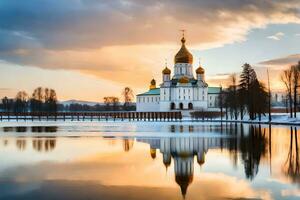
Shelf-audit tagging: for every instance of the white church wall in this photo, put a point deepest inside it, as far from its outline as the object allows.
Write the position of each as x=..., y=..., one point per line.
x=200, y=105
x=197, y=105
x=164, y=106
x=181, y=69
x=165, y=94
x=213, y=100
x=148, y=103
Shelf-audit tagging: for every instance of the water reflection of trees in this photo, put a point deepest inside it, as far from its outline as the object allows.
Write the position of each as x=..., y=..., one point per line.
x=34, y=129
x=291, y=167
x=44, y=145
x=21, y=144
x=38, y=144
x=128, y=144
x=251, y=145
x=46, y=129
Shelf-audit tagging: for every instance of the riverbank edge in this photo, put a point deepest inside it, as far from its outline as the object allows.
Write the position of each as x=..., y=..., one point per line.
x=245, y=121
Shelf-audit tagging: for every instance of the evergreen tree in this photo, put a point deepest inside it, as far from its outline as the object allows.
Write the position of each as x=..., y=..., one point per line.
x=252, y=94
x=247, y=79
x=260, y=98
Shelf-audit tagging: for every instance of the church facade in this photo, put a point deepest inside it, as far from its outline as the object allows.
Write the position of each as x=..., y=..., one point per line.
x=182, y=90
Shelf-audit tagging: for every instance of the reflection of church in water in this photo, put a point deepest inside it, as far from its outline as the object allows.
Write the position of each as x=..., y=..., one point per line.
x=182, y=150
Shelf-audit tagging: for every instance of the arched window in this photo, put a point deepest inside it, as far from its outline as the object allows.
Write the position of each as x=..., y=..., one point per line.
x=172, y=106
x=190, y=106
x=181, y=106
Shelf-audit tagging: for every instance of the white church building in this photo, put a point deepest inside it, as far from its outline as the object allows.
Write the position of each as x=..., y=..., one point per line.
x=182, y=91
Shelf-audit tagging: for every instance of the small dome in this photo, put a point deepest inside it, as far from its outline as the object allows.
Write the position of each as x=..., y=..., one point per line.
x=184, y=79
x=183, y=55
x=167, y=159
x=152, y=84
x=201, y=158
x=153, y=153
x=166, y=71
x=200, y=70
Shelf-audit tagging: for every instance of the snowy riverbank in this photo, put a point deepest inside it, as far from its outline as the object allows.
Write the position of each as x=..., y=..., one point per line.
x=277, y=118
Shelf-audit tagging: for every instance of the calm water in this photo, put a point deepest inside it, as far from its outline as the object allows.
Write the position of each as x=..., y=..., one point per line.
x=148, y=161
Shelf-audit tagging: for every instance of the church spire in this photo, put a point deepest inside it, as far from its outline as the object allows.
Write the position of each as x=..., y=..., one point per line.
x=183, y=39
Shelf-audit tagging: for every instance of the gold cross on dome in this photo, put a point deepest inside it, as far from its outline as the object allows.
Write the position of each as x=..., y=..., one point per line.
x=183, y=31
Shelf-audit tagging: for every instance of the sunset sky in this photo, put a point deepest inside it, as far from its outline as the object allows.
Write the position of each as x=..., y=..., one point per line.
x=88, y=49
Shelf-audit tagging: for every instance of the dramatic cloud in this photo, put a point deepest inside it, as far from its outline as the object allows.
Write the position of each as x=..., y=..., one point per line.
x=219, y=79
x=116, y=39
x=282, y=62
x=275, y=67
x=276, y=36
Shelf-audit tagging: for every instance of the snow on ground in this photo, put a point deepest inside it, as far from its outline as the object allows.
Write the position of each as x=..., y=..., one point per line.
x=277, y=118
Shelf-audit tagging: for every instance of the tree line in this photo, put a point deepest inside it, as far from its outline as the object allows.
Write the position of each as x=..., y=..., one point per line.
x=41, y=100
x=45, y=100
x=250, y=96
x=110, y=103
x=291, y=78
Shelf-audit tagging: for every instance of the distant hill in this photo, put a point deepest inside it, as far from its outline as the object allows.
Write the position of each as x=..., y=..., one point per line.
x=73, y=101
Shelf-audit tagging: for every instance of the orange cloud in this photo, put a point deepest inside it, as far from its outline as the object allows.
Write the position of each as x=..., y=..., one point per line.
x=127, y=42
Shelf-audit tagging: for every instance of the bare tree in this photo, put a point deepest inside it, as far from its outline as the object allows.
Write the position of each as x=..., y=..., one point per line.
x=111, y=102
x=50, y=100
x=269, y=97
x=38, y=94
x=44, y=99
x=234, y=94
x=287, y=79
x=128, y=96
x=296, y=78
x=20, y=101
x=22, y=95
x=37, y=99
x=5, y=104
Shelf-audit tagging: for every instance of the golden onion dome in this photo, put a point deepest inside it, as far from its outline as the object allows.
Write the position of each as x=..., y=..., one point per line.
x=166, y=71
x=167, y=159
x=152, y=84
x=184, y=79
x=183, y=55
x=200, y=70
x=184, y=181
x=153, y=153
x=201, y=159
